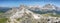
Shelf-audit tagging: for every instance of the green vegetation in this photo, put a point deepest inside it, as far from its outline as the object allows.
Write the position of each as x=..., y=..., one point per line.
x=3, y=20
x=1, y=12
x=57, y=15
x=18, y=19
x=50, y=14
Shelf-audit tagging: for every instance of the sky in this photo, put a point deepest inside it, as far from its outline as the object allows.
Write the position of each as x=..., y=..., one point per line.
x=17, y=3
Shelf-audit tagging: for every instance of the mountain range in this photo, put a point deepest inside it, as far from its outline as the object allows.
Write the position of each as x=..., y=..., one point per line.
x=44, y=9
x=4, y=9
x=25, y=15
x=48, y=8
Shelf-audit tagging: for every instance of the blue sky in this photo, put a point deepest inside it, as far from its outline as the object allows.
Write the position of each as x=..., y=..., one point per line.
x=16, y=3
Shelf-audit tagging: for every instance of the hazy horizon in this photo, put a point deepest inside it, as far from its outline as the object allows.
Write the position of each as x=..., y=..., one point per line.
x=16, y=3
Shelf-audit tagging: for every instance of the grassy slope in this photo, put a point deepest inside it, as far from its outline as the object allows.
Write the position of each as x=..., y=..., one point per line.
x=2, y=20
x=50, y=14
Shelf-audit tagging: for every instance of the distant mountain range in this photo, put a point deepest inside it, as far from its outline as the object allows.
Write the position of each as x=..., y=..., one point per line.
x=48, y=8
x=44, y=9
x=4, y=9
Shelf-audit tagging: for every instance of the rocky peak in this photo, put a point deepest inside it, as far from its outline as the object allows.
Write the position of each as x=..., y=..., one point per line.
x=50, y=6
x=47, y=6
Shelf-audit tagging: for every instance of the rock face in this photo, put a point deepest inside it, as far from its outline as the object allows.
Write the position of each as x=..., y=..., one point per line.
x=9, y=13
x=23, y=15
x=49, y=7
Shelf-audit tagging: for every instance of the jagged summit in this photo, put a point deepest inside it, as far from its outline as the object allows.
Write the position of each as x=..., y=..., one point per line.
x=48, y=6
x=22, y=6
